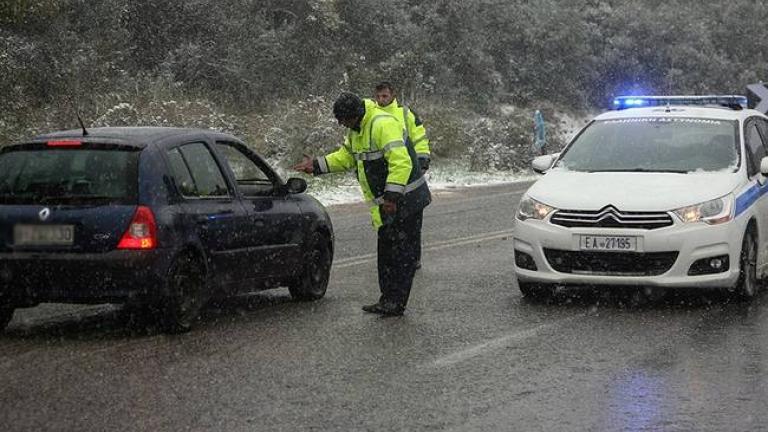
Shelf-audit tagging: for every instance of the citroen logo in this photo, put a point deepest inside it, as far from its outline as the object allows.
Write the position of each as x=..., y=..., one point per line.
x=612, y=212
x=44, y=213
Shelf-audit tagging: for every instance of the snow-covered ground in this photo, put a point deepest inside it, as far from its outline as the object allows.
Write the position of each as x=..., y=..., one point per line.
x=343, y=188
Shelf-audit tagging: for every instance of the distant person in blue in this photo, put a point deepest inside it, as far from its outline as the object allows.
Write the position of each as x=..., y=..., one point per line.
x=539, y=134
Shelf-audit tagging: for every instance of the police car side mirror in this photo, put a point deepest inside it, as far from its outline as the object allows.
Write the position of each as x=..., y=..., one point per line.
x=543, y=163
x=764, y=166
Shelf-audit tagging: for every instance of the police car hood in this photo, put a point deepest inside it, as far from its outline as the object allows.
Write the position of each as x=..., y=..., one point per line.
x=630, y=191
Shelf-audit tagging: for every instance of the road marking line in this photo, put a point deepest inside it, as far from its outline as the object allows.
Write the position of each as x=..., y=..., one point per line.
x=501, y=342
x=362, y=259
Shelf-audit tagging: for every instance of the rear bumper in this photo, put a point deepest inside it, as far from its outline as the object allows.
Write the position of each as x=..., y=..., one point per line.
x=114, y=277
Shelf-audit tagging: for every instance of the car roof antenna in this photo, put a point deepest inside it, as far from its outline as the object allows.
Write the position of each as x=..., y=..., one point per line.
x=77, y=113
x=85, y=131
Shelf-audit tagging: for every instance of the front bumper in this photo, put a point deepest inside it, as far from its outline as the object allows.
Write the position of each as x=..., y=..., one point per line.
x=114, y=277
x=690, y=242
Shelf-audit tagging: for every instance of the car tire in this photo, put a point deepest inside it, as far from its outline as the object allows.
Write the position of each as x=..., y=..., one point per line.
x=6, y=314
x=536, y=291
x=313, y=281
x=187, y=294
x=747, y=285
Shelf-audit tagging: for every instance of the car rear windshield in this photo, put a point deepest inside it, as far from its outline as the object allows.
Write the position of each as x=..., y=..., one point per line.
x=38, y=174
x=655, y=144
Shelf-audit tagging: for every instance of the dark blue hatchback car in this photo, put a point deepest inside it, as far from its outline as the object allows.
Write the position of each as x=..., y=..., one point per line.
x=160, y=217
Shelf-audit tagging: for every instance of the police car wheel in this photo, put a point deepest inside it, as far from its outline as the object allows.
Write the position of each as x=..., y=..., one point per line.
x=536, y=291
x=6, y=314
x=313, y=281
x=747, y=286
x=186, y=295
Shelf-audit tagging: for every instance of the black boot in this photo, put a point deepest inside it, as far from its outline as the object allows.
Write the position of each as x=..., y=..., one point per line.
x=391, y=309
x=386, y=309
x=374, y=308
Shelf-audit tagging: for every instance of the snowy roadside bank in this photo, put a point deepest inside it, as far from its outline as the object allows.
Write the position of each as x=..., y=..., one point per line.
x=344, y=189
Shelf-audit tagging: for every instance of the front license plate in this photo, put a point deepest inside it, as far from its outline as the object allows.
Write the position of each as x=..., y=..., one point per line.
x=609, y=243
x=40, y=235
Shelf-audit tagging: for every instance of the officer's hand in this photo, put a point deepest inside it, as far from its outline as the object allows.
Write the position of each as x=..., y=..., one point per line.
x=306, y=165
x=389, y=207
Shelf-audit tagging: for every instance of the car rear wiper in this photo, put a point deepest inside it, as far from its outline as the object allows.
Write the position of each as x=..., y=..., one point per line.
x=84, y=199
x=15, y=199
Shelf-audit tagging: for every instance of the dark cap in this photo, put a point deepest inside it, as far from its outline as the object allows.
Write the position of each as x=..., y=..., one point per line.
x=385, y=85
x=348, y=105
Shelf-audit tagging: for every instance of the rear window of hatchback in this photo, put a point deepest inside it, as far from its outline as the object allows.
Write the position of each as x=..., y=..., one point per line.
x=87, y=174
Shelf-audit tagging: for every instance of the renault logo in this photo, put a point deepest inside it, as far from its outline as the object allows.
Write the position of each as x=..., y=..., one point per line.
x=44, y=213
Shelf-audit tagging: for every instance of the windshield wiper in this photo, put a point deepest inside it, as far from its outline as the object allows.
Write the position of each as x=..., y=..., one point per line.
x=644, y=170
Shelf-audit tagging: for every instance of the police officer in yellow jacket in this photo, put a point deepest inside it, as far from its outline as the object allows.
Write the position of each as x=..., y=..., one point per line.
x=392, y=182
x=384, y=93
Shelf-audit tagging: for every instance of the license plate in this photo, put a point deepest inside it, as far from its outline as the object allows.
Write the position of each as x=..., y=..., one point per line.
x=609, y=243
x=40, y=235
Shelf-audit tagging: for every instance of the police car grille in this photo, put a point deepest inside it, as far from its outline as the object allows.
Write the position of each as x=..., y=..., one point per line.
x=611, y=263
x=610, y=217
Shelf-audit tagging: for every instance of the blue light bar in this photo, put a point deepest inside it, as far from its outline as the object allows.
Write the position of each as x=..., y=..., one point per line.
x=623, y=102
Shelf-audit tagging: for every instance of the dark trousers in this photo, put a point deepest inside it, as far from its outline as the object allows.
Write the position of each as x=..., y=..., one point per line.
x=418, y=240
x=399, y=243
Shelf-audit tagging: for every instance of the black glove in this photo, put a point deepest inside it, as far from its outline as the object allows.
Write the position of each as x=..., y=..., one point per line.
x=424, y=163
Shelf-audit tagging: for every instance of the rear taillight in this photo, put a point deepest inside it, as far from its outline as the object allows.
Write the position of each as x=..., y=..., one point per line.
x=142, y=232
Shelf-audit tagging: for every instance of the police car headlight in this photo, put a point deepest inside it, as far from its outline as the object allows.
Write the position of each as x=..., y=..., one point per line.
x=532, y=209
x=713, y=212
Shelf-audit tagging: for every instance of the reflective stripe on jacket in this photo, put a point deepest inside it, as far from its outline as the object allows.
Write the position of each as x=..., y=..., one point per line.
x=383, y=163
x=413, y=126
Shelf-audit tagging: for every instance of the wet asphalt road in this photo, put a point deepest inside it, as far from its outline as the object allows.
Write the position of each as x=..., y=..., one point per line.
x=470, y=353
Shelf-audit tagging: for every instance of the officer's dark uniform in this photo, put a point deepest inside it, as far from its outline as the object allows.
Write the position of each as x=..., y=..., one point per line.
x=417, y=137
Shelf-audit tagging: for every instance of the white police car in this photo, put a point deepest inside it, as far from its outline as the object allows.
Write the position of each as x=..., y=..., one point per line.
x=662, y=191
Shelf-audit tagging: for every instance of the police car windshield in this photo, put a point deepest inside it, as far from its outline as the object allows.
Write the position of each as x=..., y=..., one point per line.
x=654, y=144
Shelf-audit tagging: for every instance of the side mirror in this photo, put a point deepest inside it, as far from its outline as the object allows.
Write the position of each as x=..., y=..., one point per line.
x=295, y=185
x=764, y=166
x=542, y=163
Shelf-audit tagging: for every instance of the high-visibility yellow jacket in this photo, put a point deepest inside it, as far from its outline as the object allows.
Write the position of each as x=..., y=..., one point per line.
x=383, y=164
x=413, y=126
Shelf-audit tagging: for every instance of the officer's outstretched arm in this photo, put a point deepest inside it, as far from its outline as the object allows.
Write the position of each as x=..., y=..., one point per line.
x=340, y=160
